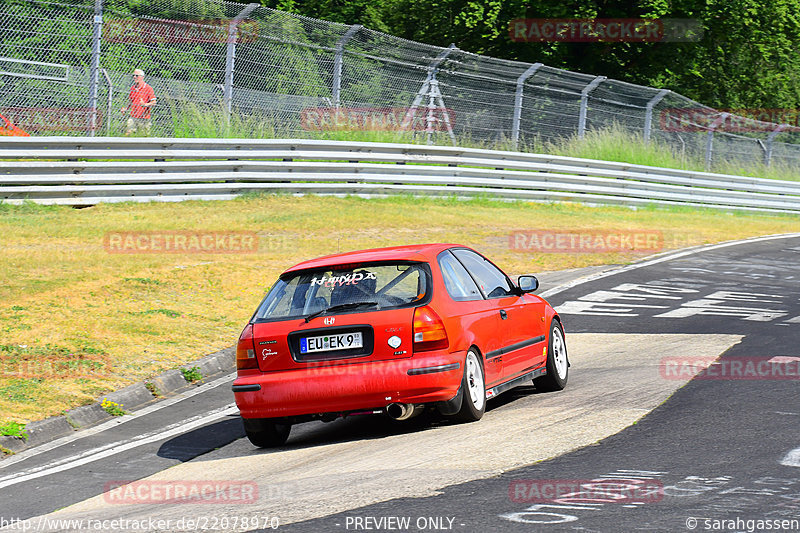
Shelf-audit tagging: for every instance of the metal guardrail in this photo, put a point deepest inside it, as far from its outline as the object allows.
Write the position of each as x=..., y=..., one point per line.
x=86, y=171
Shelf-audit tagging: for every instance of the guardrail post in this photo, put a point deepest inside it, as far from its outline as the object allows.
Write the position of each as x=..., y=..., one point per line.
x=94, y=76
x=230, y=58
x=337, y=63
x=518, y=102
x=710, y=139
x=770, y=139
x=648, y=114
x=585, y=104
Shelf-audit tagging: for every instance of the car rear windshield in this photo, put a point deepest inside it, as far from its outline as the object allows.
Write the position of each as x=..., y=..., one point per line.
x=345, y=288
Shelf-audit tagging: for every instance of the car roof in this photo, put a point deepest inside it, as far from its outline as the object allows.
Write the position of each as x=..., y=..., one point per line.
x=414, y=252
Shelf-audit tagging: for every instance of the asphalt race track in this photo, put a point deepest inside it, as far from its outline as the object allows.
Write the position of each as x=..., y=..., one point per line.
x=722, y=449
x=656, y=453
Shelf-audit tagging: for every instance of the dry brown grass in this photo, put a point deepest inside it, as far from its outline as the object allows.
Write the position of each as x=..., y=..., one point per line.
x=108, y=320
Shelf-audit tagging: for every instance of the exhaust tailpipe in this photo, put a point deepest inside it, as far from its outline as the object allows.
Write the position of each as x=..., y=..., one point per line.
x=404, y=411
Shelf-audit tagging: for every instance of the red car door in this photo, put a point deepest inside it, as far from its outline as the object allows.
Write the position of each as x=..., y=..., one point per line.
x=524, y=333
x=477, y=316
x=520, y=328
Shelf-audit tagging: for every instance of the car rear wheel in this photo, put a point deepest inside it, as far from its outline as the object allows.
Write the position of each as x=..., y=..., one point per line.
x=557, y=362
x=473, y=403
x=265, y=432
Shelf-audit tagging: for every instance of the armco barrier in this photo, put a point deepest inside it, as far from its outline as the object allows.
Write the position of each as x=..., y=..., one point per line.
x=86, y=171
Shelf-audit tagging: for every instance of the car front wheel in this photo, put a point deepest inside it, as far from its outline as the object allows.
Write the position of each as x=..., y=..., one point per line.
x=265, y=432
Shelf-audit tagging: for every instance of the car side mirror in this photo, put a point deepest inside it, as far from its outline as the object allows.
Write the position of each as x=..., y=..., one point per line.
x=527, y=283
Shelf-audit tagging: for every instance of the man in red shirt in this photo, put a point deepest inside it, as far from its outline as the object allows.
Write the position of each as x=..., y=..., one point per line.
x=142, y=98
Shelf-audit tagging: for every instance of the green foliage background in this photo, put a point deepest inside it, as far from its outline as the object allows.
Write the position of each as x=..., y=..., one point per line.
x=748, y=55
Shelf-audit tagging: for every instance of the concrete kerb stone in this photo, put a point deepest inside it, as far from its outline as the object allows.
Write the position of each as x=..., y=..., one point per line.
x=168, y=382
x=86, y=416
x=38, y=433
x=214, y=363
x=130, y=398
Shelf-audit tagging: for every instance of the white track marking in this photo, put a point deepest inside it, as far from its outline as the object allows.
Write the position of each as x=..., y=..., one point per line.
x=792, y=458
x=27, y=454
x=783, y=359
x=660, y=259
x=108, y=450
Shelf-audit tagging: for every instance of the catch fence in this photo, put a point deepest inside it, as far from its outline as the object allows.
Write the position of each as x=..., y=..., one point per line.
x=242, y=70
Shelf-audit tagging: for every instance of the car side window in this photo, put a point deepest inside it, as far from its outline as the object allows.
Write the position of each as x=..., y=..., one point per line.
x=491, y=279
x=460, y=286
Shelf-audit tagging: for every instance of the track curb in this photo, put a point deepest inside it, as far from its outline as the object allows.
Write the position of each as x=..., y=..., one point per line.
x=130, y=398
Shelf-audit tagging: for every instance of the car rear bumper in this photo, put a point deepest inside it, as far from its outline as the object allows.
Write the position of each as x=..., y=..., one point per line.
x=423, y=378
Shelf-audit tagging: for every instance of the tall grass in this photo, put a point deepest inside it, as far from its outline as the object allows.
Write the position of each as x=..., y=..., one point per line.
x=610, y=143
x=614, y=143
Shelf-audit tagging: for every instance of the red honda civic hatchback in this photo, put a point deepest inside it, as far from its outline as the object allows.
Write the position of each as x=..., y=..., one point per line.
x=393, y=330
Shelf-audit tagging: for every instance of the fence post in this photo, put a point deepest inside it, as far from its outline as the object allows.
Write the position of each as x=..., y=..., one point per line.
x=710, y=139
x=230, y=57
x=648, y=116
x=585, y=104
x=337, y=63
x=518, y=102
x=770, y=139
x=94, y=75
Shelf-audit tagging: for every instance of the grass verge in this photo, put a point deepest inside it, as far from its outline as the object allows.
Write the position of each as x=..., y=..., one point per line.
x=77, y=321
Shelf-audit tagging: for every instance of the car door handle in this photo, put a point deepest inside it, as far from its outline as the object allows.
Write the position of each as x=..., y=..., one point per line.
x=503, y=314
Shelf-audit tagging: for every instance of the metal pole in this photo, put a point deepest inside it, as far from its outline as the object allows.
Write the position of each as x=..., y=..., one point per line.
x=446, y=116
x=648, y=114
x=337, y=63
x=429, y=118
x=710, y=139
x=518, y=102
x=585, y=104
x=94, y=76
x=108, y=105
x=770, y=138
x=425, y=89
x=230, y=57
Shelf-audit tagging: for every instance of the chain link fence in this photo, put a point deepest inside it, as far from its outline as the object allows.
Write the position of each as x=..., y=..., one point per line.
x=239, y=70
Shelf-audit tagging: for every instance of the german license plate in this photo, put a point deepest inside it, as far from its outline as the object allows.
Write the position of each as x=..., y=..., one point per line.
x=329, y=343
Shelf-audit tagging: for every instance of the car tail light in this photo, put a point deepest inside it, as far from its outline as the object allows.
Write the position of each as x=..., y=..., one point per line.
x=429, y=332
x=246, y=349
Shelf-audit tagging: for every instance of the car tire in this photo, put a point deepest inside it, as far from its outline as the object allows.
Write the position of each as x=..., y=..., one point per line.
x=473, y=383
x=265, y=432
x=557, y=361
